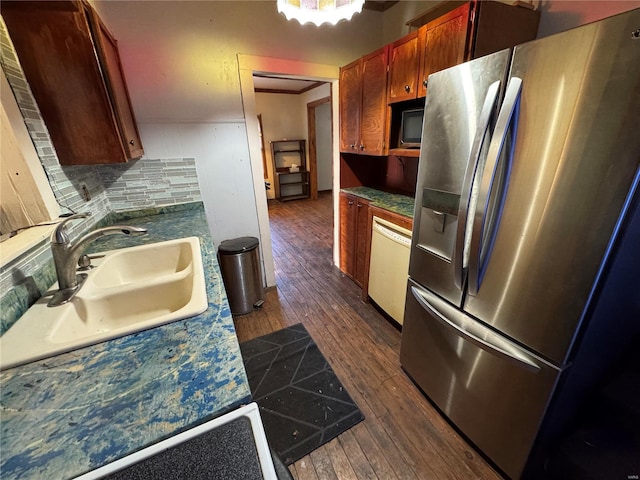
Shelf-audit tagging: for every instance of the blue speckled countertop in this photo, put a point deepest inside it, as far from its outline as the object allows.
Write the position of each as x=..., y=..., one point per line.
x=69, y=414
x=400, y=204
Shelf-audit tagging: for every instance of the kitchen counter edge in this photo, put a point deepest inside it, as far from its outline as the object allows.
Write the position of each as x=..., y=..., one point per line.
x=72, y=413
x=396, y=203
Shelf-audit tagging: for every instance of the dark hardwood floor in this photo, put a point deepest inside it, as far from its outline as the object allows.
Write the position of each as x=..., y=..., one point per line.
x=402, y=436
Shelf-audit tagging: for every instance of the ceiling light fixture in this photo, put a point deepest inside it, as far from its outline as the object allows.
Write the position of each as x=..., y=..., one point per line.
x=319, y=11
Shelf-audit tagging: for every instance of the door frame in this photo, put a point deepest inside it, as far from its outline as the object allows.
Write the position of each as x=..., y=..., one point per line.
x=247, y=66
x=264, y=155
x=313, y=157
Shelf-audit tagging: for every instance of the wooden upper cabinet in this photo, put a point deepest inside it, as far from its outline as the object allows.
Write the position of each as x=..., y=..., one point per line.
x=373, y=115
x=398, y=72
x=470, y=31
x=350, y=105
x=363, y=105
x=114, y=75
x=403, y=65
x=444, y=44
x=497, y=26
x=72, y=65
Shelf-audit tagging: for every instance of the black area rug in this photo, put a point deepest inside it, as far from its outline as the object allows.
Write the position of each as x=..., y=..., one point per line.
x=302, y=403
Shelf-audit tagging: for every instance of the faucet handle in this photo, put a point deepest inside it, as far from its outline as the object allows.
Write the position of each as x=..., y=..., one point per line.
x=59, y=235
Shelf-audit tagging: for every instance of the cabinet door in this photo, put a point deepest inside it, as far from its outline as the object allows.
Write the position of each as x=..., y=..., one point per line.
x=347, y=233
x=499, y=26
x=373, y=118
x=403, y=68
x=362, y=241
x=109, y=57
x=350, y=101
x=444, y=43
x=56, y=51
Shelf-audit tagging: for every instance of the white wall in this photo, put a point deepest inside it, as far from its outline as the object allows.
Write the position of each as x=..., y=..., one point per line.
x=224, y=170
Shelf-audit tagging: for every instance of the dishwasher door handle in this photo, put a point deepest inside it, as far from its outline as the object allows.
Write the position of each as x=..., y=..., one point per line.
x=392, y=232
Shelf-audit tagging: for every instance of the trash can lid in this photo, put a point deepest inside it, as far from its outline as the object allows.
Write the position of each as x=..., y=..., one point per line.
x=238, y=245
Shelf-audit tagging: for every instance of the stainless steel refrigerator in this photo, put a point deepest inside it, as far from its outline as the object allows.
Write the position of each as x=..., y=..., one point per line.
x=528, y=172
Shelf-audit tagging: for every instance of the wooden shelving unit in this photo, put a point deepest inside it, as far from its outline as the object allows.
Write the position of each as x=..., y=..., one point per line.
x=290, y=184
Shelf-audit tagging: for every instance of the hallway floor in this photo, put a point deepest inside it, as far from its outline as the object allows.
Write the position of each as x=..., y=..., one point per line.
x=402, y=436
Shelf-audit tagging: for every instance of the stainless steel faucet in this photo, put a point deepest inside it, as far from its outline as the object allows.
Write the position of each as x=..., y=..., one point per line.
x=66, y=255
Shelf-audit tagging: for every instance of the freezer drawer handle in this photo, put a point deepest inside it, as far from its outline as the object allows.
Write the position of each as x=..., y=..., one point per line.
x=491, y=343
x=467, y=200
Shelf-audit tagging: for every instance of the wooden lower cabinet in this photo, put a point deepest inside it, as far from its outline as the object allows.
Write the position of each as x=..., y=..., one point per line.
x=355, y=237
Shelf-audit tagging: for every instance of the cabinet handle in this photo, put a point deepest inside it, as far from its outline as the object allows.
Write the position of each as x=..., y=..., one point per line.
x=362, y=147
x=407, y=88
x=359, y=205
x=424, y=82
x=352, y=146
x=131, y=142
x=350, y=202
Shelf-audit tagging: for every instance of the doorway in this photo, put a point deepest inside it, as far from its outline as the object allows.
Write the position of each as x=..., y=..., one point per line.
x=293, y=109
x=248, y=65
x=320, y=140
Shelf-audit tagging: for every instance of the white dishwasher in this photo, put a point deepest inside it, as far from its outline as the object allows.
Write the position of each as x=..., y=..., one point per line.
x=389, y=267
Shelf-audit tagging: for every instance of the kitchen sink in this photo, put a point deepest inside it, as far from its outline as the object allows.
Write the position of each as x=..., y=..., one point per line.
x=142, y=264
x=128, y=290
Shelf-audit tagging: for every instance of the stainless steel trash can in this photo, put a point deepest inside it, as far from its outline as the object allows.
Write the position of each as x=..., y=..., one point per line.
x=240, y=265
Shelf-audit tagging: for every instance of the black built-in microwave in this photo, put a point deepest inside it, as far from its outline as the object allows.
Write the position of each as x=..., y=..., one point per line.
x=411, y=128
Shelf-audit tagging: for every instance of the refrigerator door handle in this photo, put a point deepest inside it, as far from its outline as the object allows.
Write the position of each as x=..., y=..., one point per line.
x=465, y=221
x=487, y=217
x=472, y=330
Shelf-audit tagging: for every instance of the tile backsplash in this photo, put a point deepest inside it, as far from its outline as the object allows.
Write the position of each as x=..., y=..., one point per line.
x=150, y=182
x=142, y=183
x=66, y=182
